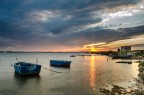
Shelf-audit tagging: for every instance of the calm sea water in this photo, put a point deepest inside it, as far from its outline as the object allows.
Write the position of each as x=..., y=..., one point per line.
x=85, y=77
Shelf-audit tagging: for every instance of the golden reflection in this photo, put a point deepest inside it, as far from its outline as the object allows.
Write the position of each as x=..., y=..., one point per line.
x=92, y=73
x=135, y=69
x=92, y=58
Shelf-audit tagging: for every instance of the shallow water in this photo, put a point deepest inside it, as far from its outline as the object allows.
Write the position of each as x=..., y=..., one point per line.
x=85, y=76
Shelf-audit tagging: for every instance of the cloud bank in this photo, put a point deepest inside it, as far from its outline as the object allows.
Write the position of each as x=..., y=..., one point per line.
x=43, y=25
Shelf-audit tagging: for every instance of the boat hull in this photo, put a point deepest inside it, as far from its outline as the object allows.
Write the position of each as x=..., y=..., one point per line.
x=60, y=63
x=23, y=68
x=26, y=74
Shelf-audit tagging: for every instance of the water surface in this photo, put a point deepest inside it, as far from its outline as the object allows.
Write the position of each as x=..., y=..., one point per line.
x=85, y=76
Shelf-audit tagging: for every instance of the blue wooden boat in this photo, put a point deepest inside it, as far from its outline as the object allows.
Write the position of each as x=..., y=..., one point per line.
x=60, y=63
x=24, y=68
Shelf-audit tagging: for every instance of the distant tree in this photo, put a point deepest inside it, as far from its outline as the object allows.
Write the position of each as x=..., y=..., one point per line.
x=118, y=49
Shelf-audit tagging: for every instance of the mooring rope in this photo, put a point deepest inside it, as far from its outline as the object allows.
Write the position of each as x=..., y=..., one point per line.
x=51, y=70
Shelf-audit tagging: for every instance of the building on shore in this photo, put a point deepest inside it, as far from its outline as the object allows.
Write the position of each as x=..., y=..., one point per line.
x=125, y=48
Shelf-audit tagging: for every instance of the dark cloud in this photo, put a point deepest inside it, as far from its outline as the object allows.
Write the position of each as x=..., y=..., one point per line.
x=100, y=35
x=6, y=29
x=132, y=31
x=76, y=21
x=73, y=4
x=19, y=26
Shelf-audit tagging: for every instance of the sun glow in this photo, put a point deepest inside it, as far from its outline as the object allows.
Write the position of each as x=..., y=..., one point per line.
x=93, y=49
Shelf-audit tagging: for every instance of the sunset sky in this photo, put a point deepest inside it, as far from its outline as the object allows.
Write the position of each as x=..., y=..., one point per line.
x=70, y=25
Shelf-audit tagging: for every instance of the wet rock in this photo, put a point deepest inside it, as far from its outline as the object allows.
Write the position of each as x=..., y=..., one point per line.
x=137, y=89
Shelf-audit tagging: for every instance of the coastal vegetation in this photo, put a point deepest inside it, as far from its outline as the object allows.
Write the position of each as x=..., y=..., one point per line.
x=139, y=54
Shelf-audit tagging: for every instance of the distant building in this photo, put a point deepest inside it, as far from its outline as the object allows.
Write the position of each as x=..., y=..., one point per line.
x=125, y=48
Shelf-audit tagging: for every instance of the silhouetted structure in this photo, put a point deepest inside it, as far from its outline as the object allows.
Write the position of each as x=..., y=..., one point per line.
x=125, y=48
x=118, y=49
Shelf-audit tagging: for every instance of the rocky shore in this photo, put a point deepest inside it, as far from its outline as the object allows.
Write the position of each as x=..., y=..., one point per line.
x=137, y=89
x=141, y=70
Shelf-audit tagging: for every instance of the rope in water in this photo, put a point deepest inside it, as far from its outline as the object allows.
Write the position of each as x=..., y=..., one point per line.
x=51, y=70
x=47, y=68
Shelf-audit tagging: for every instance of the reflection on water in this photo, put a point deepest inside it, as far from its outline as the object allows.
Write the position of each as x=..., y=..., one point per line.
x=85, y=76
x=134, y=68
x=22, y=80
x=26, y=77
x=92, y=73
